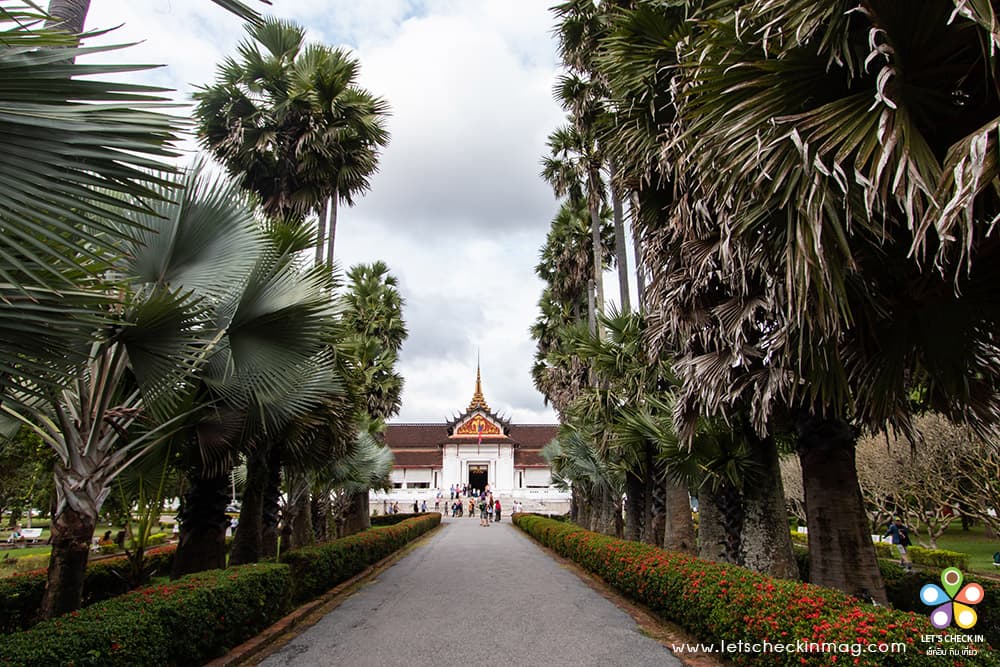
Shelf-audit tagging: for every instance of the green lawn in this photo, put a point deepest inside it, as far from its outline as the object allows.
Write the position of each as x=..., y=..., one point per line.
x=20, y=559
x=973, y=542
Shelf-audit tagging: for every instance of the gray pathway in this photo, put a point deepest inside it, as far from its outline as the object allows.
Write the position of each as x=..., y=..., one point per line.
x=474, y=596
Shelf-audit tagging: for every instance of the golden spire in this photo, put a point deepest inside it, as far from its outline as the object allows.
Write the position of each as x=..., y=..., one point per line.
x=477, y=398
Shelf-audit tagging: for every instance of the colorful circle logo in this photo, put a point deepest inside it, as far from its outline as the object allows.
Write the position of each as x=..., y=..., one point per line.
x=949, y=606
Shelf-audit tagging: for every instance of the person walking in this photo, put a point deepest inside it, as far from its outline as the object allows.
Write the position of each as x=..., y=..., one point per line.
x=472, y=508
x=496, y=510
x=900, y=536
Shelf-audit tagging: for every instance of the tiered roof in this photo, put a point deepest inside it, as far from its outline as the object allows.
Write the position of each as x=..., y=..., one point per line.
x=418, y=445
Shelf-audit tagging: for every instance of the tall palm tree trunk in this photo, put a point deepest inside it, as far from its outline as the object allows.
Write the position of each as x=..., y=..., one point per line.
x=72, y=529
x=621, y=255
x=841, y=553
x=634, y=503
x=640, y=274
x=331, y=232
x=591, y=309
x=678, y=527
x=68, y=15
x=607, y=518
x=649, y=476
x=594, y=202
x=321, y=225
x=301, y=516
x=202, y=543
x=711, y=533
x=584, y=505
x=358, y=515
x=766, y=544
x=320, y=516
x=249, y=539
x=271, y=505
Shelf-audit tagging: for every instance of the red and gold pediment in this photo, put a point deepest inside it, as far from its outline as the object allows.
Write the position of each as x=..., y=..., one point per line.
x=476, y=426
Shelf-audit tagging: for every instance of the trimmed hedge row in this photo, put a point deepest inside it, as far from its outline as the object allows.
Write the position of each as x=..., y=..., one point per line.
x=317, y=569
x=939, y=558
x=718, y=602
x=185, y=622
x=21, y=594
x=393, y=519
x=198, y=617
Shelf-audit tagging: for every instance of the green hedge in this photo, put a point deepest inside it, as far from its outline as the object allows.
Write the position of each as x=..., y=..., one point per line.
x=317, y=569
x=393, y=519
x=718, y=602
x=21, y=594
x=185, y=622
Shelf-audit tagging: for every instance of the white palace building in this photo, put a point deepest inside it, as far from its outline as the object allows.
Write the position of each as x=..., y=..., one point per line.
x=478, y=447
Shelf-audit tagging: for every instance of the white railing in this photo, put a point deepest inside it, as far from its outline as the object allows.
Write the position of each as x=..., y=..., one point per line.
x=532, y=495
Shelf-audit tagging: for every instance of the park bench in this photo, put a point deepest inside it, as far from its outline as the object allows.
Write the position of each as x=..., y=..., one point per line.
x=31, y=535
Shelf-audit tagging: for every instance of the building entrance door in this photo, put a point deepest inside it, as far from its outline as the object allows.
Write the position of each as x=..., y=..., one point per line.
x=478, y=476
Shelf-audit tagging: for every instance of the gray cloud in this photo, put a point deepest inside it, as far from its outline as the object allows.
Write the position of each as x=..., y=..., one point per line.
x=458, y=211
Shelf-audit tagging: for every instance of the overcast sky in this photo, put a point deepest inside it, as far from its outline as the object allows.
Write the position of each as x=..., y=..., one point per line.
x=458, y=211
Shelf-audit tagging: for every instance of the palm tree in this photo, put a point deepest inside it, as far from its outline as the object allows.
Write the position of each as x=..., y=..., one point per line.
x=71, y=15
x=274, y=366
x=577, y=466
x=571, y=163
x=566, y=266
x=288, y=119
x=373, y=317
x=126, y=398
x=78, y=152
x=581, y=30
x=795, y=278
x=365, y=466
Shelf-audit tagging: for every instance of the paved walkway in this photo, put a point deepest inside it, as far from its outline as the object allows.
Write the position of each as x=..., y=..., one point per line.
x=474, y=596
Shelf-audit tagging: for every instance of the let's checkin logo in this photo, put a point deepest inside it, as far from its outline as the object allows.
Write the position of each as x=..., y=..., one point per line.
x=950, y=607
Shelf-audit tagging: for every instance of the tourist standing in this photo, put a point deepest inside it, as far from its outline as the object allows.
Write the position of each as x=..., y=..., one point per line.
x=472, y=508
x=496, y=510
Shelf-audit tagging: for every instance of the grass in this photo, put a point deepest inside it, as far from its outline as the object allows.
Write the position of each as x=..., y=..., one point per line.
x=21, y=559
x=973, y=542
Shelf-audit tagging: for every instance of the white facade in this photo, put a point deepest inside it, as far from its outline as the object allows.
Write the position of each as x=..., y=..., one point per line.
x=477, y=448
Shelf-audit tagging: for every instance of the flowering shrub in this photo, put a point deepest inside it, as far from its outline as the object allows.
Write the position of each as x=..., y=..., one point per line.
x=185, y=622
x=21, y=594
x=719, y=602
x=317, y=569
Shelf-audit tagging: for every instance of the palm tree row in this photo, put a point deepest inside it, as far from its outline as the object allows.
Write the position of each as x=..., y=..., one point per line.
x=160, y=319
x=813, y=189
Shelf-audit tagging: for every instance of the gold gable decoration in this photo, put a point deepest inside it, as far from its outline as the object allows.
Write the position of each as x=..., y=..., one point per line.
x=472, y=427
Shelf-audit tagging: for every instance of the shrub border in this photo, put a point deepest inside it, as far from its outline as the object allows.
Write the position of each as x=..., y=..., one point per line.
x=719, y=602
x=222, y=608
